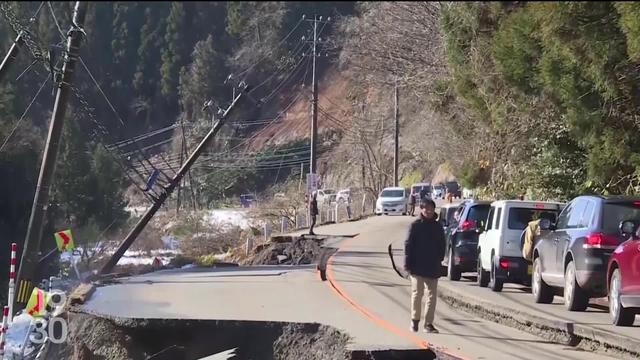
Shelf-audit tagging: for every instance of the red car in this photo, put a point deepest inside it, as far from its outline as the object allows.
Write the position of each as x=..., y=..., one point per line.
x=623, y=278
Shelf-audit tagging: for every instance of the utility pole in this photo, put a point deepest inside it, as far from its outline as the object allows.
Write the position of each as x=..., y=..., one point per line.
x=397, y=133
x=314, y=94
x=27, y=272
x=314, y=101
x=133, y=234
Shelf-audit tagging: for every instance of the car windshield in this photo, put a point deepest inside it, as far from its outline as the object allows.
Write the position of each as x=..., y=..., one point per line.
x=614, y=213
x=392, y=193
x=478, y=212
x=417, y=189
x=520, y=217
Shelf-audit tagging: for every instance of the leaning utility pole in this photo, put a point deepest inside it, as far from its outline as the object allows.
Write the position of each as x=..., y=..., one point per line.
x=27, y=271
x=131, y=237
x=397, y=133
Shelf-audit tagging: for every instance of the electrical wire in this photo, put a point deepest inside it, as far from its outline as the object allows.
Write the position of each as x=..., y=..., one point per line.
x=269, y=53
x=15, y=127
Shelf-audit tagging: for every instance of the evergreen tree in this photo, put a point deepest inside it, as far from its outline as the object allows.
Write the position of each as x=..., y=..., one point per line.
x=74, y=185
x=204, y=76
x=172, y=52
x=108, y=202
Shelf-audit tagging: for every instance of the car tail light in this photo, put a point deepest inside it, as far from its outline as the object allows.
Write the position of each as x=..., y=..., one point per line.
x=504, y=263
x=600, y=241
x=466, y=225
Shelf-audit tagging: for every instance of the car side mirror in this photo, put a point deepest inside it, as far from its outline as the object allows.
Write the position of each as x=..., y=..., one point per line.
x=628, y=228
x=479, y=226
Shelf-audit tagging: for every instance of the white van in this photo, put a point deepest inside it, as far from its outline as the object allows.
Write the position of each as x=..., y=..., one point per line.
x=392, y=200
x=499, y=247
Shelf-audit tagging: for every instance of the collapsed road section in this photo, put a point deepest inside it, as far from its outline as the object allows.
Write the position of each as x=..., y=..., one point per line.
x=98, y=337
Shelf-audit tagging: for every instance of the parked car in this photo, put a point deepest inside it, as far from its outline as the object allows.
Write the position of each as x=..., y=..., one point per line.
x=623, y=276
x=421, y=190
x=392, y=200
x=574, y=255
x=438, y=191
x=343, y=196
x=323, y=196
x=247, y=200
x=462, y=238
x=454, y=188
x=499, y=248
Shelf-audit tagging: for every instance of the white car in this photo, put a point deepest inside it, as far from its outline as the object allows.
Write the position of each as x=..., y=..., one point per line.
x=438, y=192
x=392, y=200
x=324, y=196
x=499, y=247
x=343, y=196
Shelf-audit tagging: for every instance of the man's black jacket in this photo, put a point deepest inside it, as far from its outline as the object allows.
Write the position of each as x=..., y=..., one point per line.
x=424, y=248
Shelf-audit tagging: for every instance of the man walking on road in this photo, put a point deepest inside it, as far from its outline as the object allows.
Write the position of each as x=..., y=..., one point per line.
x=423, y=253
x=313, y=211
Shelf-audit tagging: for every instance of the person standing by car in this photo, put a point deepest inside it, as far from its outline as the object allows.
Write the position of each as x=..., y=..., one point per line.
x=531, y=233
x=313, y=211
x=424, y=249
x=412, y=204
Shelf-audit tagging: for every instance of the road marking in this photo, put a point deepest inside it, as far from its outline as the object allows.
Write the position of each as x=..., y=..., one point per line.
x=333, y=284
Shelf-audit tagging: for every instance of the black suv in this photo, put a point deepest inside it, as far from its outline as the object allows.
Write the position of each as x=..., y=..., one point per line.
x=461, y=236
x=573, y=256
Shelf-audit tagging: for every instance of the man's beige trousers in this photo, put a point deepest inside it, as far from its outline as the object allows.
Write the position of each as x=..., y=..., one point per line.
x=417, y=291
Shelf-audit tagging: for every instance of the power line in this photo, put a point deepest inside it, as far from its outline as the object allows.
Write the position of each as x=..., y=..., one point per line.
x=271, y=52
x=91, y=115
x=15, y=127
x=281, y=68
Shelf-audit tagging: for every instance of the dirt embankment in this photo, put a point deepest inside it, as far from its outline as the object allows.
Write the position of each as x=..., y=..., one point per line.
x=287, y=251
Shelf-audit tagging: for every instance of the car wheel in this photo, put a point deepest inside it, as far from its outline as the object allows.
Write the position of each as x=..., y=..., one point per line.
x=483, y=276
x=453, y=273
x=494, y=284
x=620, y=315
x=542, y=293
x=575, y=298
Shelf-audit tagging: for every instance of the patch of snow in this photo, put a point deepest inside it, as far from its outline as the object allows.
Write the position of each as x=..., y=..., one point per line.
x=136, y=210
x=143, y=260
x=228, y=217
x=188, y=266
x=16, y=335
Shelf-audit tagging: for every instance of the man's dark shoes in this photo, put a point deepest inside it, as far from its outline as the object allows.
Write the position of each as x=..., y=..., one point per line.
x=414, y=325
x=429, y=328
